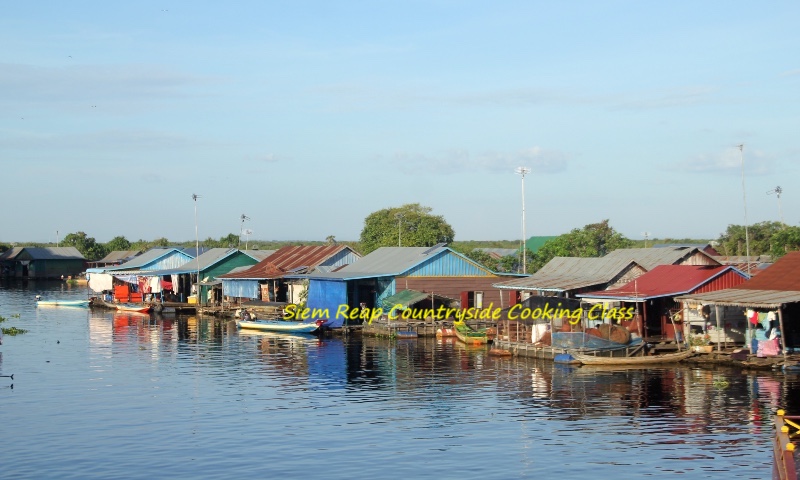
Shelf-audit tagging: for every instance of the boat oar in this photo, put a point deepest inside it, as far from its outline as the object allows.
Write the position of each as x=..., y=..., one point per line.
x=8, y=376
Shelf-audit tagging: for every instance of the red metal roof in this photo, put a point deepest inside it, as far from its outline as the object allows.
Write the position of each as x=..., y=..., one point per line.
x=287, y=259
x=668, y=280
x=782, y=275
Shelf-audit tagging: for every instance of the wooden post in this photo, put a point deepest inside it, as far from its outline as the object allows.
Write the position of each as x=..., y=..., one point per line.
x=716, y=313
x=783, y=333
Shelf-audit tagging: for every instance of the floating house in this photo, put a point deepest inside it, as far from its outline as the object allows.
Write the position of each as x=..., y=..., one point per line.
x=268, y=281
x=127, y=274
x=649, y=258
x=367, y=283
x=568, y=276
x=774, y=291
x=652, y=296
x=41, y=262
x=210, y=264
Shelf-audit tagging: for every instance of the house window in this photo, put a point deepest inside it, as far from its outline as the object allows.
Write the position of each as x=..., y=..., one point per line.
x=478, y=299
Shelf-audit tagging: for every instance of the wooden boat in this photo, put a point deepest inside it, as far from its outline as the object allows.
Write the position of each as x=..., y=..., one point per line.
x=280, y=325
x=787, y=429
x=469, y=336
x=132, y=307
x=638, y=360
x=63, y=303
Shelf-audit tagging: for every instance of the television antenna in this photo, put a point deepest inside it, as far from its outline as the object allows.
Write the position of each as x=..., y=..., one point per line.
x=646, y=236
x=777, y=191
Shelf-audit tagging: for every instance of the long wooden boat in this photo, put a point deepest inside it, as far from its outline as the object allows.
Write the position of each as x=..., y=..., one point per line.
x=63, y=303
x=787, y=429
x=132, y=307
x=469, y=336
x=639, y=360
x=280, y=325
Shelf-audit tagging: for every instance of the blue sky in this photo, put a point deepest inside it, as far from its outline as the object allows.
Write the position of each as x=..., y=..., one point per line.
x=308, y=116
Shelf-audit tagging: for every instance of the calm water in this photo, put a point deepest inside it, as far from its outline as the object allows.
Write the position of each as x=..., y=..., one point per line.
x=101, y=395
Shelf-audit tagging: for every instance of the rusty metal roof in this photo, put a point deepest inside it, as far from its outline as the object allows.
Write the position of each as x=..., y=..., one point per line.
x=663, y=281
x=288, y=259
x=570, y=273
x=784, y=274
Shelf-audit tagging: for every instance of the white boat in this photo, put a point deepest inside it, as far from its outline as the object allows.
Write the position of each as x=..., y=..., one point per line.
x=63, y=303
x=280, y=325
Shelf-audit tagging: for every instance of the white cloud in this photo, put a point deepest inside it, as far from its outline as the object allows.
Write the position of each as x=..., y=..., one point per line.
x=756, y=162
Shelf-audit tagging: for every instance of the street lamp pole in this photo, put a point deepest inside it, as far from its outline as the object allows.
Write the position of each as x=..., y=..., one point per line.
x=523, y=171
x=744, y=199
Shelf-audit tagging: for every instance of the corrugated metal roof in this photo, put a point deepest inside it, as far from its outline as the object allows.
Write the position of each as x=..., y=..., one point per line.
x=570, y=273
x=208, y=259
x=262, y=270
x=309, y=256
x=118, y=256
x=145, y=258
x=784, y=274
x=11, y=253
x=664, y=280
x=44, y=253
x=391, y=260
x=739, y=297
x=650, y=258
x=258, y=255
x=289, y=258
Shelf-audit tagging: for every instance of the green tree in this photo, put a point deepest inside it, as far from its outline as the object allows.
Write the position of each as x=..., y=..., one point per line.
x=593, y=240
x=785, y=241
x=733, y=243
x=85, y=244
x=229, y=241
x=118, y=243
x=410, y=225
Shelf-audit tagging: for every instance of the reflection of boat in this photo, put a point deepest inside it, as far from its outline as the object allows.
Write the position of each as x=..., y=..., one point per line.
x=63, y=303
x=639, y=360
x=132, y=307
x=470, y=336
x=280, y=325
x=784, y=466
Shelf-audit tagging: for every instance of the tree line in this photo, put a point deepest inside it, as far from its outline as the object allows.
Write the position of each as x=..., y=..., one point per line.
x=414, y=225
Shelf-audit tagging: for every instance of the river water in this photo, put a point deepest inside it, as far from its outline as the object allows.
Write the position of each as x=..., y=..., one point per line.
x=97, y=394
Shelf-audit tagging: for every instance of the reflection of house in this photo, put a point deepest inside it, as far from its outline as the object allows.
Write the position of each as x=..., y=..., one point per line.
x=776, y=290
x=41, y=262
x=266, y=281
x=389, y=270
x=652, y=295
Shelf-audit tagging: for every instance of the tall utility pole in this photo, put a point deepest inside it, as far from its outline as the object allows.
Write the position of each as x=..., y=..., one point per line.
x=744, y=199
x=777, y=191
x=197, y=245
x=241, y=230
x=523, y=171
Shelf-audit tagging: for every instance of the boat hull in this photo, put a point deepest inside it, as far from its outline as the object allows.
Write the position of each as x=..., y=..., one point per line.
x=63, y=303
x=641, y=360
x=278, y=326
x=470, y=336
x=122, y=307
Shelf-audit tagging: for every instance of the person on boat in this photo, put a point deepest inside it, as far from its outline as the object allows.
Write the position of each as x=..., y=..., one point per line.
x=246, y=316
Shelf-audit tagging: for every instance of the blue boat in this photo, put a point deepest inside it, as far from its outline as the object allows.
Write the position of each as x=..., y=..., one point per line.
x=63, y=303
x=280, y=325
